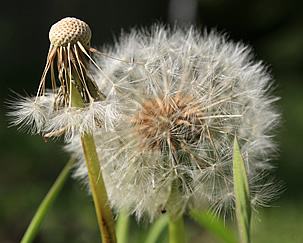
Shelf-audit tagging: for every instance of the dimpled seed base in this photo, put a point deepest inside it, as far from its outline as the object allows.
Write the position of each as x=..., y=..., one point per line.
x=70, y=30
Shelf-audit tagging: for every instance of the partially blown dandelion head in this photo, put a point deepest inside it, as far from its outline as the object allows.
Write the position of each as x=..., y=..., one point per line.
x=67, y=61
x=182, y=99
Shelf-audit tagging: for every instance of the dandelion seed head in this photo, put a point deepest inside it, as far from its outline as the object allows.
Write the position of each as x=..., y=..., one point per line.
x=181, y=100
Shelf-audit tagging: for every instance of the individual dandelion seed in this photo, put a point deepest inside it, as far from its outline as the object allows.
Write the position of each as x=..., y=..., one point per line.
x=67, y=61
x=171, y=148
x=29, y=113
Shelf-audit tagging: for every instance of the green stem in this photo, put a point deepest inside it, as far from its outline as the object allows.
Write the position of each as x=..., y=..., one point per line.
x=176, y=230
x=96, y=182
x=103, y=211
x=45, y=205
x=122, y=227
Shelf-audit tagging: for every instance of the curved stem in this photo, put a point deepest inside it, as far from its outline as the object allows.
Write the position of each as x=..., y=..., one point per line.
x=176, y=230
x=45, y=205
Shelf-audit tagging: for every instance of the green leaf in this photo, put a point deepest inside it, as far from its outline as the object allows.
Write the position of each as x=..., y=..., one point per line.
x=242, y=196
x=214, y=225
x=156, y=229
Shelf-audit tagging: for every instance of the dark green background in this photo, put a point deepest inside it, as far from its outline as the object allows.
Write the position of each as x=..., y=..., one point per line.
x=28, y=165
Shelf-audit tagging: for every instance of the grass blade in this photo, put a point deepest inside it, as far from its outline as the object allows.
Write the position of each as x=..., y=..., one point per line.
x=156, y=229
x=214, y=225
x=45, y=205
x=176, y=229
x=242, y=196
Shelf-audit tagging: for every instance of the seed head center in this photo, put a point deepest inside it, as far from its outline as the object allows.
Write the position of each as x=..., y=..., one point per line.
x=168, y=121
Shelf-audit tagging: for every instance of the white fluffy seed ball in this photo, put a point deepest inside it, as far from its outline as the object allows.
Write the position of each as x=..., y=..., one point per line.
x=180, y=100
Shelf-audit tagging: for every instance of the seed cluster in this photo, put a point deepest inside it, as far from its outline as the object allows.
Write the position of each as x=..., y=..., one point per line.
x=168, y=122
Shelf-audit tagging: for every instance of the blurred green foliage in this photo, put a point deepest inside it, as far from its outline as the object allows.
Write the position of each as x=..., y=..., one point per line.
x=28, y=165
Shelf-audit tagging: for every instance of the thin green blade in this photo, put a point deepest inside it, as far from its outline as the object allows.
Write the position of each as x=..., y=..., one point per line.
x=214, y=225
x=156, y=229
x=46, y=204
x=242, y=195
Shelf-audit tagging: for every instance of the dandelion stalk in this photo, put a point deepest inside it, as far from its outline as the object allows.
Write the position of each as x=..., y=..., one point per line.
x=96, y=182
x=176, y=230
x=45, y=205
x=104, y=215
x=103, y=211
